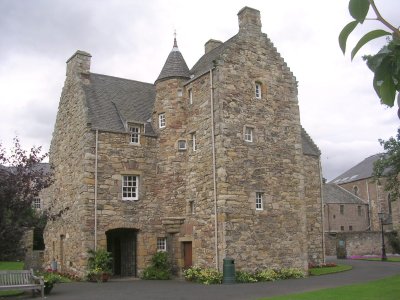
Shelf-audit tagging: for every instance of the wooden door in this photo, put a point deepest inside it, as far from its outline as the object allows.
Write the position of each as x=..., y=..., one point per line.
x=187, y=255
x=128, y=255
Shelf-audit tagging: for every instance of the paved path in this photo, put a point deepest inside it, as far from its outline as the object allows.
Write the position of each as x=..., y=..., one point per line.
x=363, y=271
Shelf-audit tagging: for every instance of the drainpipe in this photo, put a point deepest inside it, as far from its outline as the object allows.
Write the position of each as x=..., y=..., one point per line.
x=214, y=171
x=321, y=183
x=95, y=191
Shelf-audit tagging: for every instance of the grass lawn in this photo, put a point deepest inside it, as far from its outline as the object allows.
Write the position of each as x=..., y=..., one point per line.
x=11, y=265
x=389, y=259
x=329, y=270
x=383, y=289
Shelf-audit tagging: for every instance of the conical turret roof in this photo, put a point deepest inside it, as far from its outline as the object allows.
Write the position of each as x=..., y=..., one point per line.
x=175, y=65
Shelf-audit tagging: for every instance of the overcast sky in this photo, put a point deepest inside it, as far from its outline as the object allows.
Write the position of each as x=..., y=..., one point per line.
x=132, y=39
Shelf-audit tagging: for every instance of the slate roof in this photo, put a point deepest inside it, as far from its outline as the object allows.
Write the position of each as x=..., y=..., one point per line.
x=334, y=194
x=360, y=171
x=175, y=65
x=112, y=102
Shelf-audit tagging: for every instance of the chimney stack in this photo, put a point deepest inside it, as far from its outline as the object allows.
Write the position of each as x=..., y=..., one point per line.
x=79, y=63
x=211, y=44
x=249, y=21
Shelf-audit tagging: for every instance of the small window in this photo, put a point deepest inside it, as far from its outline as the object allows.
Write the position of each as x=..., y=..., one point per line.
x=162, y=244
x=191, y=207
x=181, y=145
x=180, y=93
x=190, y=94
x=355, y=189
x=161, y=120
x=135, y=134
x=341, y=228
x=350, y=228
x=248, y=134
x=37, y=203
x=359, y=210
x=341, y=209
x=259, y=201
x=258, y=90
x=130, y=187
x=194, y=145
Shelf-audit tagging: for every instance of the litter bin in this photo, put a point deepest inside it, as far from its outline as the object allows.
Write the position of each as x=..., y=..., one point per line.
x=228, y=271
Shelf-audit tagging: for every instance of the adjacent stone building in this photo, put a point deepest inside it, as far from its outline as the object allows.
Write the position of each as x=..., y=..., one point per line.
x=206, y=163
x=360, y=181
x=344, y=211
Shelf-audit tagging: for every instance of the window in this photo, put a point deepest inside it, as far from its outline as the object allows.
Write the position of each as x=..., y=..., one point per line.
x=135, y=134
x=248, y=134
x=259, y=201
x=355, y=189
x=181, y=145
x=162, y=244
x=350, y=228
x=37, y=203
x=341, y=228
x=190, y=92
x=161, y=120
x=258, y=90
x=359, y=211
x=130, y=187
x=194, y=145
x=341, y=209
x=191, y=207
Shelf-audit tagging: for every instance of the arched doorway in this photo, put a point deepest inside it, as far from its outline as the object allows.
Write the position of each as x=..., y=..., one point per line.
x=121, y=242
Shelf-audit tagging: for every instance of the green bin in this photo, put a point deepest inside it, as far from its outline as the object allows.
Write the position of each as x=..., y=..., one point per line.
x=228, y=271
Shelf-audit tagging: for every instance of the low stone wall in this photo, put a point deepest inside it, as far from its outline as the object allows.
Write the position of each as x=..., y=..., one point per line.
x=356, y=243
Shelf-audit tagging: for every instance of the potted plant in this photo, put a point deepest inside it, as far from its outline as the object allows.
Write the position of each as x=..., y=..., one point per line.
x=99, y=265
x=50, y=279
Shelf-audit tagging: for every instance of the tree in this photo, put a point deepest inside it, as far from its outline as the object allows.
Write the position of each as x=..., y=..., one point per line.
x=388, y=166
x=21, y=180
x=386, y=63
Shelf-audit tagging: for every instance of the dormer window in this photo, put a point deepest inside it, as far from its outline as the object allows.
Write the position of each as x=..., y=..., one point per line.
x=135, y=134
x=258, y=90
x=161, y=120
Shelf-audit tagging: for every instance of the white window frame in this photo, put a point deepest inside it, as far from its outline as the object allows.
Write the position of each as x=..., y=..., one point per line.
x=37, y=203
x=162, y=244
x=130, y=187
x=135, y=134
x=161, y=120
x=257, y=91
x=248, y=134
x=190, y=91
x=194, y=145
x=259, y=201
x=182, y=145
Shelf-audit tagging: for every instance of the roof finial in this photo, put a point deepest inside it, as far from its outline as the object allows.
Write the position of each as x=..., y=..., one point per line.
x=175, y=43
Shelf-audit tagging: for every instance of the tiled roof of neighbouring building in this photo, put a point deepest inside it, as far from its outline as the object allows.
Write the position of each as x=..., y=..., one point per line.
x=333, y=193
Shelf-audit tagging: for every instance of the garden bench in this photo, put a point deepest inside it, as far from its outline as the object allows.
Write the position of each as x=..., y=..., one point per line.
x=21, y=279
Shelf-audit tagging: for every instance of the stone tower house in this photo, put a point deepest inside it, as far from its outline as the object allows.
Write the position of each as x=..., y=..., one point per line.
x=205, y=163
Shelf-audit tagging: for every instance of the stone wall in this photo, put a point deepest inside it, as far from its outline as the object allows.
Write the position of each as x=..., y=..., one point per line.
x=349, y=220
x=357, y=243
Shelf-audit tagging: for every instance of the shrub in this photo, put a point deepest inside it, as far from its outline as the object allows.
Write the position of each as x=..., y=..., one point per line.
x=99, y=261
x=267, y=275
x=287, y=273
x=394, y=241
x=160, y=268
x=205, y=276
x=245, y=277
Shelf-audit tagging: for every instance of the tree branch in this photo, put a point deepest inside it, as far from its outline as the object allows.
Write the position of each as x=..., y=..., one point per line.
x=396, y=31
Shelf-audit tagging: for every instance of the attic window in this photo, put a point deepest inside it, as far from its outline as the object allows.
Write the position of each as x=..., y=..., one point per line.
x=190, y=92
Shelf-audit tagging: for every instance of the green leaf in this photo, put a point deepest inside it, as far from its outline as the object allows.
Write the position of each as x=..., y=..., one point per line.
x=366, y=38
x=388, y=91
x=344, y=34
x=359, y=9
